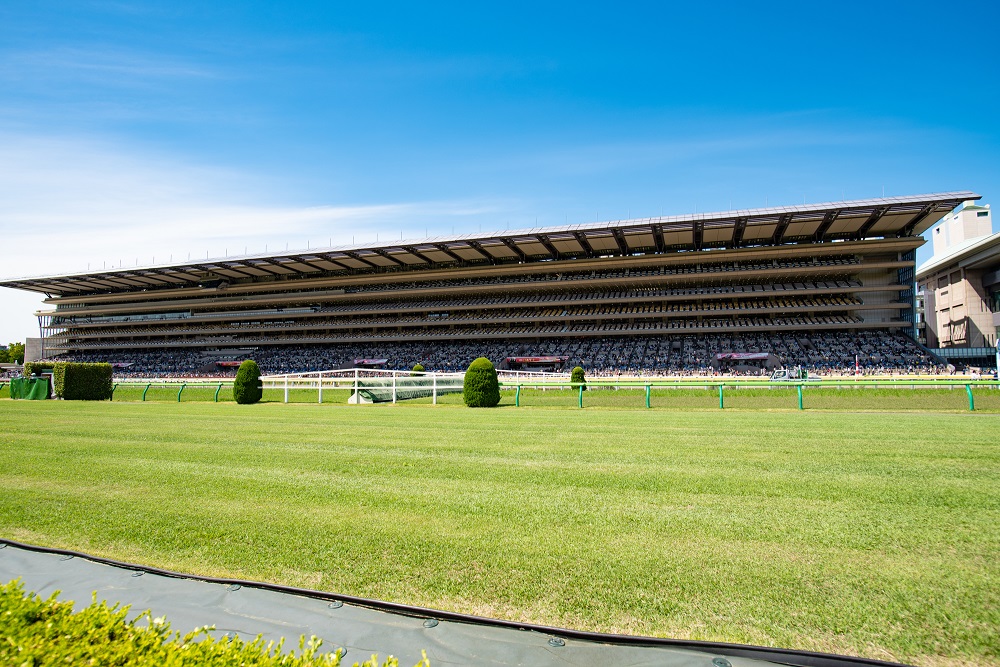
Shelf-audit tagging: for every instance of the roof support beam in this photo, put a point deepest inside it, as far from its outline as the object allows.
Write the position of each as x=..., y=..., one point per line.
x=620, y=240
x=870, y=222
x=779, y=231
x=741, y=224
x=658, y=238
x=544, y=240
x=824, y=226
x=263, y=266
x=581, y=238
x=907, y=229
x=301, y=260
x=416, y=253
x=381, y=253
x=513, y=246
x=118, y=280
x=443, y=248
x=478, y=247
x=166, y=276
x=698, y=227
x=355, y=256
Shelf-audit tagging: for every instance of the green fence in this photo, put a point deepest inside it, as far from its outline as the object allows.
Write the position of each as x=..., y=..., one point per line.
x=177, y=391
x=755, y=394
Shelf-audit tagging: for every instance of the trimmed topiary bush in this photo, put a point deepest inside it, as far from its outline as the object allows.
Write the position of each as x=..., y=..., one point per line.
x=481, y=388
x=81, y=381
x=417, y=368
x=246, y=386
x=577, y=376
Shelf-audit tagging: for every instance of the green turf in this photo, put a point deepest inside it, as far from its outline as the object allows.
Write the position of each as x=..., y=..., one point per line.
x=857, y=532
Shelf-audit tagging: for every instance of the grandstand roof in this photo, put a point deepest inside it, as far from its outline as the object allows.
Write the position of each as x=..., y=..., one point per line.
x=857, y=219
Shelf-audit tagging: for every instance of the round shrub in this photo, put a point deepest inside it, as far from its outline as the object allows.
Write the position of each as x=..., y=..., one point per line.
x=246, y=386
x=481, y=388
x=577, y=376
x=417, y=368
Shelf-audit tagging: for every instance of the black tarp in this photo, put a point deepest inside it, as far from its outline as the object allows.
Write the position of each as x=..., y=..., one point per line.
x=365, y=627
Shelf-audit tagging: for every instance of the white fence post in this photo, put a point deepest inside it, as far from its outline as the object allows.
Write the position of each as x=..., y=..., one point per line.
x=393, y=386
x=320, y=387
x=357, y=399
x=434, y=388
x=286, y=389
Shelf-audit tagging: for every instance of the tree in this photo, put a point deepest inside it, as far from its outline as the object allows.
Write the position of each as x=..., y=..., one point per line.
x=15, y=353
x=481, y=388
x=417, y=369
x=577, y=376
x=3, y=356
x=246, y=386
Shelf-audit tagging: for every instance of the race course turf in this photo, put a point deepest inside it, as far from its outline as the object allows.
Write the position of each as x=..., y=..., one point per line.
x=865, y=533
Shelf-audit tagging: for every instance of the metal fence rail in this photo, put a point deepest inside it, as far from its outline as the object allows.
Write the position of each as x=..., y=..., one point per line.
x=180, y=386
x=721, y=385
x=396, y=385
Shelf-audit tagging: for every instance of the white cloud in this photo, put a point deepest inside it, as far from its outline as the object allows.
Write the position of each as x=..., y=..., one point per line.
x=69, y=204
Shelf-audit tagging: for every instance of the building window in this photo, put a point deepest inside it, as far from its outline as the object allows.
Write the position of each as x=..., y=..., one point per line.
x=982, y=214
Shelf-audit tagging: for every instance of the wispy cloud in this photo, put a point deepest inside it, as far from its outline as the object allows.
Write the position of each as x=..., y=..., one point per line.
x=69, y=204
x=98, y=63
x=90, y=203
x=700, y=146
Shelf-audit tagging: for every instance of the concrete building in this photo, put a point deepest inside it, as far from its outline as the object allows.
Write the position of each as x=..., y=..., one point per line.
x=960, y=288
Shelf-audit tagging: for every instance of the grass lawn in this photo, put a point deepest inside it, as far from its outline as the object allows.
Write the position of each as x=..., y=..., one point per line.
x=868, y=533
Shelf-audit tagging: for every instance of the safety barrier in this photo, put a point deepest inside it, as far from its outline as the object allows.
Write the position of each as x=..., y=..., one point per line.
x=392, y=386
x=180, y=386
x=799, y=386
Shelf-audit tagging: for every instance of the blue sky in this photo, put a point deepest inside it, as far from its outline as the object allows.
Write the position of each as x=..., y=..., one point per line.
x=131, y=131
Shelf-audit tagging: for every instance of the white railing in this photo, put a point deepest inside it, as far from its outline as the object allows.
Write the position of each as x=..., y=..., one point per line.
x=352, y=378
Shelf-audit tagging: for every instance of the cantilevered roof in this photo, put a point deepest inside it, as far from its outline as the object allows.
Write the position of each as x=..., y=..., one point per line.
x=858, y=219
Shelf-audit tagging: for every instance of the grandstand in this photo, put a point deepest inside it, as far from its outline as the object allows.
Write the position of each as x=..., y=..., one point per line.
x=814, y=285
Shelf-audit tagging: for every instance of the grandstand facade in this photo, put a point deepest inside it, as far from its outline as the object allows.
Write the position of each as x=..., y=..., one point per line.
x=811, y=285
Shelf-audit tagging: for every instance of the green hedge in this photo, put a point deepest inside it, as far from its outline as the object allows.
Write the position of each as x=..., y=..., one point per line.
x=577, y=376
x=82, y=382
x=75, y=381
x=246, y=386
x=33, y=367
x=34, y=631
x=417, y=368
x=481, y=388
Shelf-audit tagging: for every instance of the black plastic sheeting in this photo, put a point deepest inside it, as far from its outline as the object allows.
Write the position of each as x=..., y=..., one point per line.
x=364, y=627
